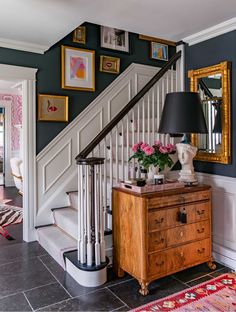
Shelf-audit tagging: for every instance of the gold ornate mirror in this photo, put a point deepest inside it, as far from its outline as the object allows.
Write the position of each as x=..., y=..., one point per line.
x=213, y=85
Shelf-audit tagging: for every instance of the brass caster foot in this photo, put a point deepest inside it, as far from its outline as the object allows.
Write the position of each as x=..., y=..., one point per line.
x=211, y=265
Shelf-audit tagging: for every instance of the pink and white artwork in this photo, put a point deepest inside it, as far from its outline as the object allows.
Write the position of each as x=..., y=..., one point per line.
x=16, y=118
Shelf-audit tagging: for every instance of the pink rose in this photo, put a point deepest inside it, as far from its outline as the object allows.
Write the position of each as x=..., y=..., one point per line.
x=163, y=150
x=143, y=146
x=158, y=143
x=149, y=150
x=170, y=147
x=135, y=147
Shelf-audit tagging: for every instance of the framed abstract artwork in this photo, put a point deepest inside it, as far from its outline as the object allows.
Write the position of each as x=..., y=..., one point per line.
x=159, y=51
x=52, y=107
x=115, y=39
x=79, y=35
x=78, y=69
x=109, y=64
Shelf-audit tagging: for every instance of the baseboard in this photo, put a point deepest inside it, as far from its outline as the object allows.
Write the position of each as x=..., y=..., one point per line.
x=224, y=256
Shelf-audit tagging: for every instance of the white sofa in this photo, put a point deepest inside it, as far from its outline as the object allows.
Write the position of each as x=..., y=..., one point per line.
x=17, y=172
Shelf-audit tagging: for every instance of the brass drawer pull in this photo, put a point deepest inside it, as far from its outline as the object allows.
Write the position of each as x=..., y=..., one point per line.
x=161, y=241
x=200, y=212
x=201, y=231
x=159, y=221
x=200, y=251
x=160, y=264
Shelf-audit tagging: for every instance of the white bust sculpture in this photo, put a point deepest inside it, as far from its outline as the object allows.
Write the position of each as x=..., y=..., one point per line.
x=186, y=153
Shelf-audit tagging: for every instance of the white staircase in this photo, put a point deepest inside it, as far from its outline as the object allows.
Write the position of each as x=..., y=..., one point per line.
x=80, y=226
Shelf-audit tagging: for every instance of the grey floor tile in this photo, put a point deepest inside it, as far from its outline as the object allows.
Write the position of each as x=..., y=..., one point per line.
x=195, y=272
x=124, y=308
x=100, y=300
x=220, y=272
x=128, y=291
x=14, y=303
x=199, y=280
x=20, y=252
x=23, y=275
x=46, y=295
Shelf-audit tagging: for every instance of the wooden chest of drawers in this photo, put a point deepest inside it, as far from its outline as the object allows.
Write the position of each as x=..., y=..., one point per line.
x=149, y=239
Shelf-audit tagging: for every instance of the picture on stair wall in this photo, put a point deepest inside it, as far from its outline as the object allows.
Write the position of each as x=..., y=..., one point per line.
x=159, y=51
x=109, y=64
x=52, y=108
x=78, y=69
x=79, y=35
x=115, y=39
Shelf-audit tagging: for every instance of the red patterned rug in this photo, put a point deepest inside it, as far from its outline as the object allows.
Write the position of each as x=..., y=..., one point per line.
x=218, y=294
x=9, y=215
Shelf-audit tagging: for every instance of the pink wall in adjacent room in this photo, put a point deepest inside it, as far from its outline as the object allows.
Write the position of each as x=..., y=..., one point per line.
x=16, y=118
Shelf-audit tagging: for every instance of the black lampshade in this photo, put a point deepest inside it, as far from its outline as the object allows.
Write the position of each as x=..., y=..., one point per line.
x=182, y=113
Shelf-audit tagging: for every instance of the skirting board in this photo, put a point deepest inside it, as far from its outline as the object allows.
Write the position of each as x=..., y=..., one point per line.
x=224, y=256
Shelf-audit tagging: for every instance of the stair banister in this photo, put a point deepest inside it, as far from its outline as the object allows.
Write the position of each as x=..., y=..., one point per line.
x=87, y=150
x=93, y=178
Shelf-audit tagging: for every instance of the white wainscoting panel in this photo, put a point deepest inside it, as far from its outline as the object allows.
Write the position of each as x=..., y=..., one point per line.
x=224, y=217
x=56, y=167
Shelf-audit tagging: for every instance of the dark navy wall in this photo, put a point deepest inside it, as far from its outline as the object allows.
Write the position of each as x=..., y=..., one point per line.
x=207, y=53
x=49, y=73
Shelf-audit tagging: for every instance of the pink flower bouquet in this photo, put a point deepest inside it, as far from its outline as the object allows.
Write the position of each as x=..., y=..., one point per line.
x=157, y=155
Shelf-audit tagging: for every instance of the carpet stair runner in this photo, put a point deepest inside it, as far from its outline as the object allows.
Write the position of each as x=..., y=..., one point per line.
x=61, y=236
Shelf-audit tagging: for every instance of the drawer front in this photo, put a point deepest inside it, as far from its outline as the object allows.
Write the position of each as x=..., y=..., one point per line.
x=157, y=240
x=171, y=200
x=157, y=220
x=188, y=255
x=157, y=263
x=187, y=233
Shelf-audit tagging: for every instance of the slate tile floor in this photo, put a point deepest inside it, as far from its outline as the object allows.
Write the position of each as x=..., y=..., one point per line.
x=30, y=280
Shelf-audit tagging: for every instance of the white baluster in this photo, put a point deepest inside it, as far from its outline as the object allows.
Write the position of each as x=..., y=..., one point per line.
x=89, y=238
x=102, y=210
x=143, y=118
x=127, y=146
x=96, y=215
x=122, y=152
x=148, y=117
x=105, y=183
x=116, y=155
x=153, y=116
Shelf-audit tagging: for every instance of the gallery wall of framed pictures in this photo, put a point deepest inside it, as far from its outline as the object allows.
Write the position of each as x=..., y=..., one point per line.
x=81, y=66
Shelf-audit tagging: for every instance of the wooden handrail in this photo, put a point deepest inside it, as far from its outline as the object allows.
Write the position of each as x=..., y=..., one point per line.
x=88, y=149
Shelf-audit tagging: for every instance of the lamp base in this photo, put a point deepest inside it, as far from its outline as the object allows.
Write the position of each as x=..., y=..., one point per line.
x=186, y=153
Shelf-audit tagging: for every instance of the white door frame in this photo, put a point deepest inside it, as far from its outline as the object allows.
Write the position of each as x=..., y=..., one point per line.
x=6, y=104
x=28, y=77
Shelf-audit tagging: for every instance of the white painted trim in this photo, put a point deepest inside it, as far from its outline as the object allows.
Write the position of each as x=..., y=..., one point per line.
x=181, y=66
x=28, y=77
x=23, y=46
x=8, y=181
x=211, y=32
x=132, y=67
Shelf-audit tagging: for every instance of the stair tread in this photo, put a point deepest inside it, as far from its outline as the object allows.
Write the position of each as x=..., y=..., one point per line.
x=67, y=220
x=55, y=241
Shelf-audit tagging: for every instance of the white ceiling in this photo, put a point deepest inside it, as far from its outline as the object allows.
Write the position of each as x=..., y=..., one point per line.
x=35, y=25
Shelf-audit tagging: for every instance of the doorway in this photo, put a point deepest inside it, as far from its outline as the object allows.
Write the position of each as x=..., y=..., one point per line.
x=27, y=76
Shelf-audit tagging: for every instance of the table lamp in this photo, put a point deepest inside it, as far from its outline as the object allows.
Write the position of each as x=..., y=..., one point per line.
x=183, y=114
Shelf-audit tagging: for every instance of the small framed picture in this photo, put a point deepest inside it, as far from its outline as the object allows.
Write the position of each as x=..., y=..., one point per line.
x=79, y=35
x=115, y=39
x=52, y=107
x=78, y=69
x=159, y=51
x=109, y=64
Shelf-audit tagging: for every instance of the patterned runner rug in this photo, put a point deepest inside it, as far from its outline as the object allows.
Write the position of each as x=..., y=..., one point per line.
x=9, y=215
x=218, y=294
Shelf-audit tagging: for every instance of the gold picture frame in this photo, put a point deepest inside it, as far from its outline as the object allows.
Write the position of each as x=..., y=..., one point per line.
x=78, y=69
x=52, y=108
x=109, y=64
x=79, y=35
